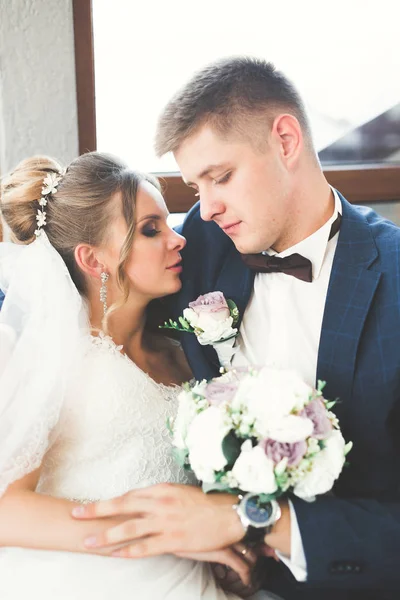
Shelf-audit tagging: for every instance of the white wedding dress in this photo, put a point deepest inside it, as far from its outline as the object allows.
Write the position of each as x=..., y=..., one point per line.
x=111, y=437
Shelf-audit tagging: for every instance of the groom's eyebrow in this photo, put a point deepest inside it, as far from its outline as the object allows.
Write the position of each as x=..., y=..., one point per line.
x=206, y=172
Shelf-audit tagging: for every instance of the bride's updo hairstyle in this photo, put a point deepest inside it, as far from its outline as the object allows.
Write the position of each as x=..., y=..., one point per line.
x=79, y=212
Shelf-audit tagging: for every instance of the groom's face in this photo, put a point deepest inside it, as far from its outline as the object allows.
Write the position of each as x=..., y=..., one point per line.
x=244, y=189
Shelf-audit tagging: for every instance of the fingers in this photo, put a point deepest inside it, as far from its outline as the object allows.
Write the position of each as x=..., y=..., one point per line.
x=246, y=553
x=136, y=501
x=232, y=559
x=265, y=550
x=127, y=504
x=128, y=531
x=150, y=546
x=224, y=558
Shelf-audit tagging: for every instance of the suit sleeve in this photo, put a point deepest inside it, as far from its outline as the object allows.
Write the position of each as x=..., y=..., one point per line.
x=350, y=542
x=2, y=296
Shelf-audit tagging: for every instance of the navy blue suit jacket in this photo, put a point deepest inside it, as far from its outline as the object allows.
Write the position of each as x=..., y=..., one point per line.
x=351, y=539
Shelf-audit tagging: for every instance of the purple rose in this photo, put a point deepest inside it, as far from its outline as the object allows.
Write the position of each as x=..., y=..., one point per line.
x=217, y=392
x=317, y=413
x=213, y=302
x=278, y=450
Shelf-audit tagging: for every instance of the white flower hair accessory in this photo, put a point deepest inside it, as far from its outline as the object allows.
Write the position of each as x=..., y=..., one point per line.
x=50, y=183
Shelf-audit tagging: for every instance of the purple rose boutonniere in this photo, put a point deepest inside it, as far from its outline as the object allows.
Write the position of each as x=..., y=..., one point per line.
x=212, y=318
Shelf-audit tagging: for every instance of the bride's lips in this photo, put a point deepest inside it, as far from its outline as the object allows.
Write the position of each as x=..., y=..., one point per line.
x=176, y=268
x=231, y=228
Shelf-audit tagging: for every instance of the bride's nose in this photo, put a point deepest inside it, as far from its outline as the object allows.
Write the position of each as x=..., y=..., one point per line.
x=176, y=241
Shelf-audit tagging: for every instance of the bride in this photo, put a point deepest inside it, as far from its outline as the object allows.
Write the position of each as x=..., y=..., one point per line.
x=85, y=387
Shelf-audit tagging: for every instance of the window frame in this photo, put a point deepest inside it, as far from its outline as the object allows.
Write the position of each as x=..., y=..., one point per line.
x=361, y=184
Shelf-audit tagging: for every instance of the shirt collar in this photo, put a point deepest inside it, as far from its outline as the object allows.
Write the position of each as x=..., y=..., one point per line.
x=315, y=245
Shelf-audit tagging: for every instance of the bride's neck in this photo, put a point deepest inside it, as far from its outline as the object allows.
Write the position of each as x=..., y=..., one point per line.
x=126, y=325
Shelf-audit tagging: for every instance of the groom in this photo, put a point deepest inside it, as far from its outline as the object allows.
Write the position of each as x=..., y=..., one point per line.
x=242, y=140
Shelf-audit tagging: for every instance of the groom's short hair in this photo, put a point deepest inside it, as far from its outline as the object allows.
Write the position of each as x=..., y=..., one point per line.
x=239, y=96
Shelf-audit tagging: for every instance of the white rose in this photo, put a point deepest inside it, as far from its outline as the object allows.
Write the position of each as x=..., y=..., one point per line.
x=254, y=471
x=289, y=429
x=191, y=317
x=270, y=395
x=214, y=330
x=187, y=411
x=214, y=325
x=204, y=442
x=326, y=468
x=282, y=391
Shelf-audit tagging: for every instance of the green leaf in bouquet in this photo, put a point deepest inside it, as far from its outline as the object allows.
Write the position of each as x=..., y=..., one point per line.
x=231, y=448
x=180, y=455
x=234, y=311
x=330, y=404
x=282, y=481
x=264, y=498
x=320, y=386
x=216, y=486
x=347, y=448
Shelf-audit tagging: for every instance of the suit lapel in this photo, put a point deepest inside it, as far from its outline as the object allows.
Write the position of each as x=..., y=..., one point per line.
x=235, y=281
x=350, y=294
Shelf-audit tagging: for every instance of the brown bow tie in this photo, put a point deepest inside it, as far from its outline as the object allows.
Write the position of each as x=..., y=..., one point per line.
x=294, y=264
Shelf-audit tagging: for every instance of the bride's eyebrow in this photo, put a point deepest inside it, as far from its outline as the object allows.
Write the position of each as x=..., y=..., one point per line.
x=147, y=217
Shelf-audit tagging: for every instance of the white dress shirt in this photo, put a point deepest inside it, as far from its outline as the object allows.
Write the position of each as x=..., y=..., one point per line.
x=281, y=328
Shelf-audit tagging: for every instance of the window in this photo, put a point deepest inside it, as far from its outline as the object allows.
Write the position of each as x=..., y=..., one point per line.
x=344, y=63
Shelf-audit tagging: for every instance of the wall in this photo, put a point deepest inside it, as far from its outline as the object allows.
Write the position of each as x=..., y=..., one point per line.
x=37, y=81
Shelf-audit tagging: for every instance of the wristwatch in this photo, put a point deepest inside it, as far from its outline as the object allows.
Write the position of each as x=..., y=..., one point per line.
x=257, y=517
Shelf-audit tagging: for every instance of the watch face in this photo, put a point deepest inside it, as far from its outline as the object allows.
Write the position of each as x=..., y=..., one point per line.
x=258, y=516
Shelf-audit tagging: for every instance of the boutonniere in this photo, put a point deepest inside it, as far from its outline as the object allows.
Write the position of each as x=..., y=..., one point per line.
x=212, y=319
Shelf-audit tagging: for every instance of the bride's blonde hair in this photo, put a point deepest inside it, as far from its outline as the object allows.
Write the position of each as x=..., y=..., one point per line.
x=80, y=212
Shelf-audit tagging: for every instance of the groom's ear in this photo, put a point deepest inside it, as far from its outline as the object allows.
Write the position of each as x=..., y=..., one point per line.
x=287, y=134
x=87, y=259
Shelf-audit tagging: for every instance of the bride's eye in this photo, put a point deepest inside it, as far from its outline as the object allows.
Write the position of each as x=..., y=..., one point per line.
x=150, y=231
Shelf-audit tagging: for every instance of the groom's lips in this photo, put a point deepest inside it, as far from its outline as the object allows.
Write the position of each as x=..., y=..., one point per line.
x=231, y=228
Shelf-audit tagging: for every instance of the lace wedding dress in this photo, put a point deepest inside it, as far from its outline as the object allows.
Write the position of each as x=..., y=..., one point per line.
x=111, y=437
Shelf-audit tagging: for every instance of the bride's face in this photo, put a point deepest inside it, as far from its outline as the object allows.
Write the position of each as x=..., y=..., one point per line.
x=153, y=266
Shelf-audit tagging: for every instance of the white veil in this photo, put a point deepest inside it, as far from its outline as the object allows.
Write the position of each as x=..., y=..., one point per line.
x=42, y=324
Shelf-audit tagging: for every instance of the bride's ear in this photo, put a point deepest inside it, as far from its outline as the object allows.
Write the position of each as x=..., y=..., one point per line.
x=87, y=260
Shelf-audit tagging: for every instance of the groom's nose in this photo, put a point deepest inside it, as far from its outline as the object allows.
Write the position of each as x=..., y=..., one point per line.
x=210, y=206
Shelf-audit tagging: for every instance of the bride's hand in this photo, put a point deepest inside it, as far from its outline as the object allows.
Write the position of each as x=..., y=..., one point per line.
x=229, y=580
x=239, y=560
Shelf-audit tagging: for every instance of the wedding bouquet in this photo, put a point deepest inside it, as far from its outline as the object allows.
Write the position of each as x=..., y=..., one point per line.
x=259, y=430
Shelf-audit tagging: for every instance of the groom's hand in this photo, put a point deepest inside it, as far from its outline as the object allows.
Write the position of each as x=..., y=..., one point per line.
x=166, y=519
